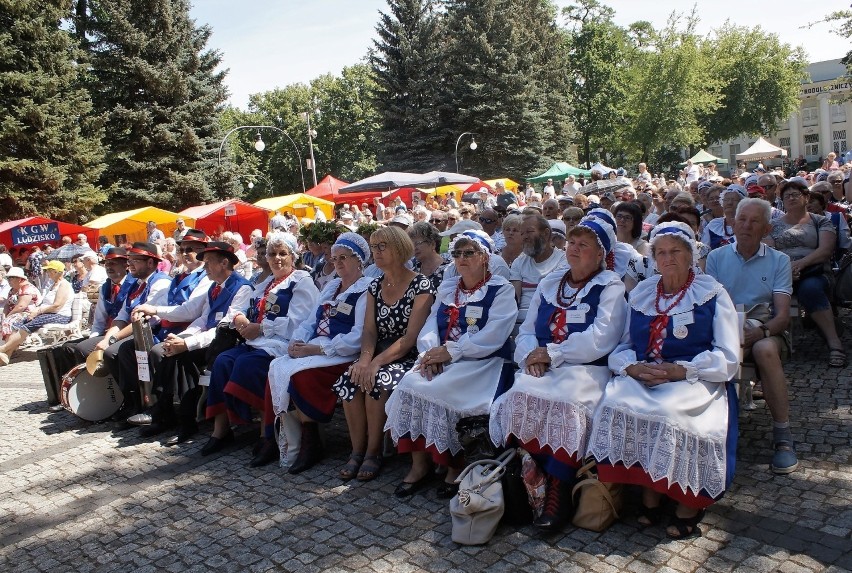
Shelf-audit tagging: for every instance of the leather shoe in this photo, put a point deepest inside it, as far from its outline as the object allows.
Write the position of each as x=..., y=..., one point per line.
x=447, y=490
x=268, y=453
x=185, y=432
x=155, y=428
x=407, y=489
x=214, y=444
x=143, y=419
x=56, y=408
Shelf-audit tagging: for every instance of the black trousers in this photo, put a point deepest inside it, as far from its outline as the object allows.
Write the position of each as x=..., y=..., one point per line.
x=120, y=358
x=178, y=376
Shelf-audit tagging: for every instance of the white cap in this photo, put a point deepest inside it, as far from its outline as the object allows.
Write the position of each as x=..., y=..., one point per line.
x=461, y=226
x=16, y=272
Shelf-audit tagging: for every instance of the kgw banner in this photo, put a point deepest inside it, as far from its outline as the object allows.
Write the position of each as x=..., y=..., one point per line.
x=34, y=234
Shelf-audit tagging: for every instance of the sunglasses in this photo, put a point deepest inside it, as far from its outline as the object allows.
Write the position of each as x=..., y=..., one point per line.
x=466, y=254
x=487, y=220
x=452, y=218
x=572, y=219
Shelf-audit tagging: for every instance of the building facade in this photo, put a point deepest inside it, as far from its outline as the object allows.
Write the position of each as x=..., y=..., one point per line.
x=821, y=125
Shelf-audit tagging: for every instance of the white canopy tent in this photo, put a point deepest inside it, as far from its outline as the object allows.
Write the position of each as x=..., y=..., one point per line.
x=761, y=149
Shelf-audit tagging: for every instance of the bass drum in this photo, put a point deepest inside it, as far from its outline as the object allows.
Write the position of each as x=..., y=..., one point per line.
x=93, y=398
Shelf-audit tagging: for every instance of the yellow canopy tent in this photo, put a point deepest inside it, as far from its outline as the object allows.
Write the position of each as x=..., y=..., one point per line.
x=508, y=183
x=130, y=226
x=299, y=204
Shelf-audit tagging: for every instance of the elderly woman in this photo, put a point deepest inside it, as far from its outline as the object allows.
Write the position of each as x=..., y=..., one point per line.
x=720, y=231
x=512, y=232
x=667, y=420
x=574, y=321
x=713, y=205
x=463, y=347
x=427, y=245
x=628, y=226
x=55, y=308
x=277, y=308
x=809, y=240
x=320, y=351
x=23, y=297
x=818, y=201
x=77, y=274
x=398, y=304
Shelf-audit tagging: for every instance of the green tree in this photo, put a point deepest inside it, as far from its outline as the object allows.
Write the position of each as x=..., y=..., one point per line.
x=754, y=98
x=50, y=151
x=160, y=94
x=407, y=63
x=598, y=56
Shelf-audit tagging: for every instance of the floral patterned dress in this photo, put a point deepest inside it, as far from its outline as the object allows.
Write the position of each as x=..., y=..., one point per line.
x=392, y=323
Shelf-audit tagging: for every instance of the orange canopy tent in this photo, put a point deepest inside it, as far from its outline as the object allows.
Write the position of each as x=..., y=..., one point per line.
x=231, y=215
x=41, y=231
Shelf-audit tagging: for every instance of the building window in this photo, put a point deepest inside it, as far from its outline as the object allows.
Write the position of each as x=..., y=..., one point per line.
x=838, y=113
x=732, y=153
x=810, y=116
x=839, y=141
x=812, y=144
x=784, y=142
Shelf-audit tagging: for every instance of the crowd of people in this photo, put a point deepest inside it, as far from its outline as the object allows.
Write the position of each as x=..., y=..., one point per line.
x=601, y=320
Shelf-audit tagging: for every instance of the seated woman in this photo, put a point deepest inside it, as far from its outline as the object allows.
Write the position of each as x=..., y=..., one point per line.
x=809, y=240
x=398, y=304
x=278, y=307
x=77, y=274
x=628, y=226
x=720, y=231
x=22, y=299
x=55, y=308
x=427, y=244
x=320, y=351
x=463, y=348
x=575, y=321
x=668, y=419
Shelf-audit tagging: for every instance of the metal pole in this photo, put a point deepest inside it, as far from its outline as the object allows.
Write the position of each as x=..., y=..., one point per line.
x=311, y=145
x=457, y=148
x=279, y=130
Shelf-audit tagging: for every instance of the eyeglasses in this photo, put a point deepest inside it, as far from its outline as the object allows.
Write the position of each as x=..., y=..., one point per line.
x=340, y=258
x=466, y=254
x=793, y=195
x=571, y=219
x=380, y=247
x=623, y=217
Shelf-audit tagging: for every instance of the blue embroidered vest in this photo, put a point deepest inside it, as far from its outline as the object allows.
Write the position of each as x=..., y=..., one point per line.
x=340, y=322
x=547, y=313
x=698, y=339
x=113, y=307
x=717, y=240
x=180, y=290
x=142, y=298
x=485, y=304
x=277, y=303
x=229, y=288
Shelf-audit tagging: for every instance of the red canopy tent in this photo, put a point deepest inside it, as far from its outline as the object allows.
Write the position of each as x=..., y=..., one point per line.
x=34, y=232
x=231, y=215
x=329, y=189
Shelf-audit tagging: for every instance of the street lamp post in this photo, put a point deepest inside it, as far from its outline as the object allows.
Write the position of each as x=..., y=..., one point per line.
x=473, y=146
x=259, y=145
x=306, y=115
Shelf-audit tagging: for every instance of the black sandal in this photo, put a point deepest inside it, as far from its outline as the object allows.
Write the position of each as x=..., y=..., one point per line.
x=653, y=515
x=686, y=526
x=836, y=358
x=370, y=468
x=353, y=464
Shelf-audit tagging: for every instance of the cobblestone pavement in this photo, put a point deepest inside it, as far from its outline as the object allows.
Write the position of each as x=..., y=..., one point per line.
x=82, y=497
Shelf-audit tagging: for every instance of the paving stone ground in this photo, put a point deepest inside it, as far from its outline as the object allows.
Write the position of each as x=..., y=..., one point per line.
x=81, y=497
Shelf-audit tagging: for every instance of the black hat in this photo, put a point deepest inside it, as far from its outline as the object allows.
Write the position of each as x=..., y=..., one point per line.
x=194, y=235
x=220, y=247
x=116, y=253
x=145, y=250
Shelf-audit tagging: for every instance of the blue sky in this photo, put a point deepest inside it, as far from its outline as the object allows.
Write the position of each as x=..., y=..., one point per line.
x=273, y=43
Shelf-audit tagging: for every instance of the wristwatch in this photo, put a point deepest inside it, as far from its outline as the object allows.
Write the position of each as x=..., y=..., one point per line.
x=765, y=329
x=112, y=340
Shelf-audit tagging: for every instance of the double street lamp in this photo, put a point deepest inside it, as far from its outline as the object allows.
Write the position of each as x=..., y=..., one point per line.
x=306, y=115
x=260, y=145
x=473, y=146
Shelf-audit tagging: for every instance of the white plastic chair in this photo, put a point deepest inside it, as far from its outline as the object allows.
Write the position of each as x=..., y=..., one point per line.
x=74, y=329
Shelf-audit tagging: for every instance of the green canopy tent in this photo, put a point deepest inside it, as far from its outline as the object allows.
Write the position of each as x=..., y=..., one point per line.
x=560, y=171
x=704, y=157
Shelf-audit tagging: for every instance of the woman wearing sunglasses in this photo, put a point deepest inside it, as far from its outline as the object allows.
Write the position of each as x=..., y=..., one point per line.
x=463, y=347
x=398, y=303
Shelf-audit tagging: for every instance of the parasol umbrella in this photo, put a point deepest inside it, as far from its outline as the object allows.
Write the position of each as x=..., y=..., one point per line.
x=68, y=252
x=603, y=185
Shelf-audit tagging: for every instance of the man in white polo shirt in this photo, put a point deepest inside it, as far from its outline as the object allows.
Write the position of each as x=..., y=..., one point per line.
x=538, y=260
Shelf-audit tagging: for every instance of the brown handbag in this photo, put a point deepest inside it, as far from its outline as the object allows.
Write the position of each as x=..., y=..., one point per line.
x=599, y=502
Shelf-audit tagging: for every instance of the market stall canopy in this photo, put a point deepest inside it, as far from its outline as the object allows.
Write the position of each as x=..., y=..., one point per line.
x=231, y=215
x=327, y=188
x=507, y=183
x=559, y=170
x=300, y=204
x=704, y=157
x=600, y=168
x=396, y=179
x=133, y=224
x=42, y=231
x=761, y=149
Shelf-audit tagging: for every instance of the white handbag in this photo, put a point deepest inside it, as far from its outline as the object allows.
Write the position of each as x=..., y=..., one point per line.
x=478, y=506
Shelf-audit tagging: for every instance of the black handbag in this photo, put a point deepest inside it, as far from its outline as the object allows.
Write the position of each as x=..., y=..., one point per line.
x=226, y=339
x=475, y=438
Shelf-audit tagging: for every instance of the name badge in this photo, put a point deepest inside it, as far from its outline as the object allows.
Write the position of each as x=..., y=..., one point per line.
x=271, y=298
x=344, y=308
x=473, y=312
x=220, y=316
x=683, y=319
x=575, y=316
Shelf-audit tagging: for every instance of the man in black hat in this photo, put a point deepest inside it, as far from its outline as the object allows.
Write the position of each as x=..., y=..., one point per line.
x=191, y=282
x=182, y=358
x=152, y=286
